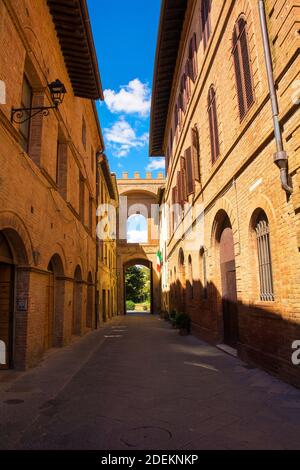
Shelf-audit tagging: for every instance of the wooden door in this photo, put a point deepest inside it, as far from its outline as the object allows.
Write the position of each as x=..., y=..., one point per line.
x=49, y=320
x=229, y=289
x=6, y=314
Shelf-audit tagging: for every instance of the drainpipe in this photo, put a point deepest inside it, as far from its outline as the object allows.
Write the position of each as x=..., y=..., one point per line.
x=280, y=157
x=98, y=155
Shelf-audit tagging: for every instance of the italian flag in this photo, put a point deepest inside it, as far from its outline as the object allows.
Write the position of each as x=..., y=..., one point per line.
x=159, y=261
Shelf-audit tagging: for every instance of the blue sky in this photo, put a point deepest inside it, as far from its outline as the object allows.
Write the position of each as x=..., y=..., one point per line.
x=125, y=34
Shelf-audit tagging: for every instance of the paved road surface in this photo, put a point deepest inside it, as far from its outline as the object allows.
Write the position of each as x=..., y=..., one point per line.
x=136, y=384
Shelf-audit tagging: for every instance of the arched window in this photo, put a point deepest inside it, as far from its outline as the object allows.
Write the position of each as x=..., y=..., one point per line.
x=213, y=124
x=205, y=21
x=137, y=229
x=243, y=76
x=262, y=231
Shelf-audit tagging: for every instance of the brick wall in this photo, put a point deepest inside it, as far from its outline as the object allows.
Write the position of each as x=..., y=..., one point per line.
x=243, y=179
x=40, y=218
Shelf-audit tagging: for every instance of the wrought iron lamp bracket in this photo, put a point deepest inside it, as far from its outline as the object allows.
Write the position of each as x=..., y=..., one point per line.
x=17, y=114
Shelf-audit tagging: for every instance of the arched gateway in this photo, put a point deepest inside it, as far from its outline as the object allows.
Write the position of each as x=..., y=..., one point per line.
x=138, y=197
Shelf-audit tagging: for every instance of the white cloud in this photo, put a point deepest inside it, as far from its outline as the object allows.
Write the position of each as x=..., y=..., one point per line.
x=136, y=236
x=132, y=98
x=156, y=164
x=137, y=231
x=122, y=138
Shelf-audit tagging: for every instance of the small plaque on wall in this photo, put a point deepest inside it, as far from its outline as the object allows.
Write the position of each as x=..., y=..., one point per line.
x=22, y=305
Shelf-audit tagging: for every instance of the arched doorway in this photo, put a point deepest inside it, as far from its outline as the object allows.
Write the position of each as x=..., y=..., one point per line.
x=14, y=286
x=145, y=268
x=228, y=282
x=7, y=273
x=182, y=281
x=53, y=332
x=77, y=302
x=90, y=302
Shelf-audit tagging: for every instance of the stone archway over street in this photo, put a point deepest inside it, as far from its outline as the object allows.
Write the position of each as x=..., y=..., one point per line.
x=138, y=197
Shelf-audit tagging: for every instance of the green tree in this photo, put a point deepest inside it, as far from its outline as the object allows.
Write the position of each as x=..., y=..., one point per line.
x=147, y=285
x=135, y=282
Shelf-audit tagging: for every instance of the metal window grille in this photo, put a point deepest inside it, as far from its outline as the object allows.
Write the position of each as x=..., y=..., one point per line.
x=264, y=259
x=205, y=21
x=242, y=67
x=213, y=124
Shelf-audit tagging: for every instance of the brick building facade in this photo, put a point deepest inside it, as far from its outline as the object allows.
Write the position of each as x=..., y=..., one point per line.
x=47, y=178
x=212, y=119
x=107, y=255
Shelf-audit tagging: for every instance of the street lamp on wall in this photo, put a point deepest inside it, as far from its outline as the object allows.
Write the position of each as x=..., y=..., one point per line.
x=57, y=91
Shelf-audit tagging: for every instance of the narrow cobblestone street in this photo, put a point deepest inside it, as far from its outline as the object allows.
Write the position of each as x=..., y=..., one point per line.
x=137, y=384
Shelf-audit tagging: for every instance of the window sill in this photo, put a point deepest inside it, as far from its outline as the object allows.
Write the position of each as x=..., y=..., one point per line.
x=268, y=305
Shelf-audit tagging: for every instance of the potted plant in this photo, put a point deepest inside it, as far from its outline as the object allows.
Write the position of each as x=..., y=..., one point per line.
x=172, y=318
x=183, y=323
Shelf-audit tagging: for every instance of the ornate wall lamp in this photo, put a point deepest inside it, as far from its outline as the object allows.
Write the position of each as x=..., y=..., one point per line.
x=57, y=91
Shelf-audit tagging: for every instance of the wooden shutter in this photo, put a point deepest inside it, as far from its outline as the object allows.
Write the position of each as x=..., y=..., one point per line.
x=213, y=124
x=242, y=67
x=205, y=21
x=183, y=100
x=193, y=65
x=196, y=154
x=176, y=117
x=167, y=160
x=179, y=188
x=189, y=171
x=173, y=205
x=187, y=82
x=179, y=108
x=183, y=180
x=171, y=144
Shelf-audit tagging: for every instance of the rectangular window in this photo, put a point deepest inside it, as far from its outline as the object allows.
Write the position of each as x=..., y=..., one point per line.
x=62, y=168
x=196, y=153
x=205, y=21
x=193, y=65
x=26, y=102
x=213, y=125
x=84, y=133
x=190, y=171
x=174, y=199
x=91, y=214
x=81, y=198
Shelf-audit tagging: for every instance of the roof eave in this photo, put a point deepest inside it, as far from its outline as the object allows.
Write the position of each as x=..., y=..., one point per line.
x=166, y=18
x=73, y=28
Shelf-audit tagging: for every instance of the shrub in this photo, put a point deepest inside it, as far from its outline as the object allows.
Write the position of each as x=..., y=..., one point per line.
x=183, y=321
x=130, y=305
x=172, y=315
